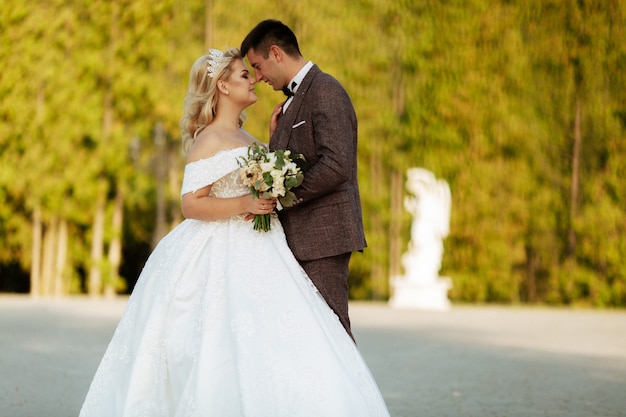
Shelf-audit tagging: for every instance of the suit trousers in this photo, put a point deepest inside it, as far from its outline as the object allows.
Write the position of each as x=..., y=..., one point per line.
x=330, y=276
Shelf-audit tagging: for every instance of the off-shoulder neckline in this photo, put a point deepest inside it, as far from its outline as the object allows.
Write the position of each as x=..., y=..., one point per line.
x=216, y=154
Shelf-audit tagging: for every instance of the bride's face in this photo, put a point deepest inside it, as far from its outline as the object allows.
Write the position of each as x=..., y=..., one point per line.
x=241, y=84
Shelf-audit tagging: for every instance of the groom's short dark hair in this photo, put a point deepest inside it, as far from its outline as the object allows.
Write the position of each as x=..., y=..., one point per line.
x=267, y=33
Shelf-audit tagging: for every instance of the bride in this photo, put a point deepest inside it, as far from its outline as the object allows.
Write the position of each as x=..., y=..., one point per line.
x=223, y=321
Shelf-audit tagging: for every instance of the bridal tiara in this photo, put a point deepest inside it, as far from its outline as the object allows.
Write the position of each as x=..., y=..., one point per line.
x=216, y=58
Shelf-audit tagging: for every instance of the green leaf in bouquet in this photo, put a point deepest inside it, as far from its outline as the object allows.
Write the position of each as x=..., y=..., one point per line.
x=267, y=177
x=291, y=181
x=300, y=178
x=288, y=200
x=280, y=159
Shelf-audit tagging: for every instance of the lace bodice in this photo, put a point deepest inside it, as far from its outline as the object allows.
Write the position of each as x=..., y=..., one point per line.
x=229, y=185
x=221, y=170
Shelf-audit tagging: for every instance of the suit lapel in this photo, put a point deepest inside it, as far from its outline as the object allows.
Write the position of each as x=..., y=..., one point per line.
x=280, y=138
x=282, y=134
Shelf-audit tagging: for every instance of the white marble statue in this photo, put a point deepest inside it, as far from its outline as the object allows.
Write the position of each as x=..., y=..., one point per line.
x=429, y=202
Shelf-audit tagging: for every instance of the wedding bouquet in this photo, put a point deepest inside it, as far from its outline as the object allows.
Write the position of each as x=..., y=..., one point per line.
x=270, y=175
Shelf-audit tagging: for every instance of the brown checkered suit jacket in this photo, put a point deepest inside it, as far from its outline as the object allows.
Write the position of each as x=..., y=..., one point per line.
x=321, y=124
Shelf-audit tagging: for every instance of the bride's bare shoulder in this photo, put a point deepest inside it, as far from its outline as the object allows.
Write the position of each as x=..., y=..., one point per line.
x=206, y=145
x=213, y=141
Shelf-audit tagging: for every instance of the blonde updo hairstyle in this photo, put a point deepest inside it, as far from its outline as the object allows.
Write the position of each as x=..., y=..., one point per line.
x=202, y=95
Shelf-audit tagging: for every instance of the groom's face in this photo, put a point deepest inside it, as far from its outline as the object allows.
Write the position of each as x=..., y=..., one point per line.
x=266, y=69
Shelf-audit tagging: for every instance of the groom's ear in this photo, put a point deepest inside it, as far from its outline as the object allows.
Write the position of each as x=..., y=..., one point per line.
x=276, y=53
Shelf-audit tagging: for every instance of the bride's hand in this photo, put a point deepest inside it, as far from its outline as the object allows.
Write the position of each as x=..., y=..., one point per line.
x=260, y=206
x=278, y=110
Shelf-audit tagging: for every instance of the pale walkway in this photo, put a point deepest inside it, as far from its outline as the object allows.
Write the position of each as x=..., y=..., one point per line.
x=468, y=362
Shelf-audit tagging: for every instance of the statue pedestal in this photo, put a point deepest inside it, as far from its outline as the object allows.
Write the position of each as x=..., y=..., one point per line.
x=421, y=296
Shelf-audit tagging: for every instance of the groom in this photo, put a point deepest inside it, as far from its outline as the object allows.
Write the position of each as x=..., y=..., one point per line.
x=317, y=120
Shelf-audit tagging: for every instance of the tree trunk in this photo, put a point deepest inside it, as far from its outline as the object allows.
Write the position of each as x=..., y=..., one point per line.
x=378, y=233
x=396, y=180
x=531, y=274
x=575, y=181
x=209, y=24
x=115, y=247
x=395, y=226
x=97, y=243
x=378, y=268
x=35, y=269
x=61, y=286
x=49, y=254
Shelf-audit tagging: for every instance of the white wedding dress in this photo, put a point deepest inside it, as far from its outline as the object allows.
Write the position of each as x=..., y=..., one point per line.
x=223, y=322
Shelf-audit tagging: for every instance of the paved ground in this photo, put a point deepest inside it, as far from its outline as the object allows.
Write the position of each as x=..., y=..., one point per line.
x=468, y=362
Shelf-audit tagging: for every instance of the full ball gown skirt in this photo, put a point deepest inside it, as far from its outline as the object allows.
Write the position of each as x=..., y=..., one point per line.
x=223, y=322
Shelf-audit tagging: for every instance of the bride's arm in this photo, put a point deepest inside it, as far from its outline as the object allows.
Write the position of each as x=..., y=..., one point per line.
x=201, y=206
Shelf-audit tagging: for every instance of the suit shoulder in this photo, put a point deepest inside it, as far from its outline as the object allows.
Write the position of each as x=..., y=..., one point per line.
x=325, y=84
x=325, y=78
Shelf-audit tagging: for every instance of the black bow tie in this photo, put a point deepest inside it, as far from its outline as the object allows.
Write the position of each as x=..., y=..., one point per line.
x=289, y=91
